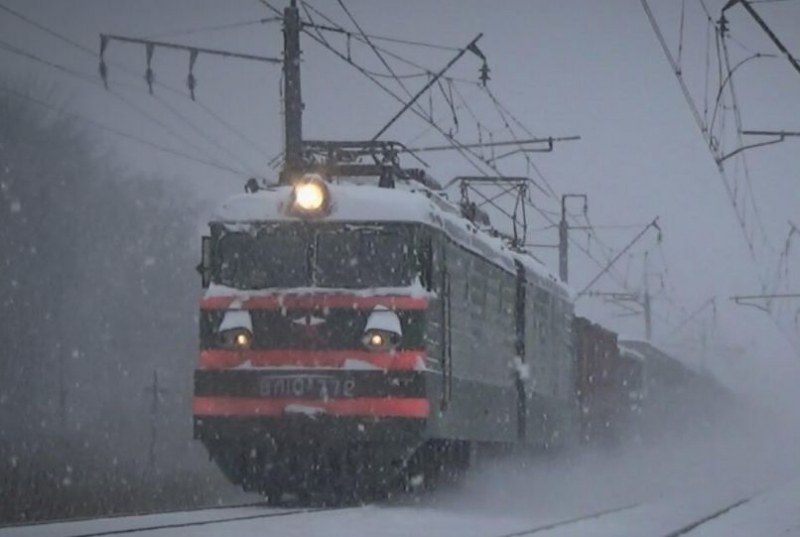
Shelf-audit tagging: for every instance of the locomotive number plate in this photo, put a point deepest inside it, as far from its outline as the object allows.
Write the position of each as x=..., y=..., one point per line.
x=306, y=386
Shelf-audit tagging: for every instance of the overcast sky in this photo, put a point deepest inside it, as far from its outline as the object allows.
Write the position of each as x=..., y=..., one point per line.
x=562, y=67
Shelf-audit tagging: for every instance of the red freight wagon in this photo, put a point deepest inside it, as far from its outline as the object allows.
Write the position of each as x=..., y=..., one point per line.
x=601, y=394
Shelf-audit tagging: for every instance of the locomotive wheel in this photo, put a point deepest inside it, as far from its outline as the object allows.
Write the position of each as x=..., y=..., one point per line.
x=437, y=462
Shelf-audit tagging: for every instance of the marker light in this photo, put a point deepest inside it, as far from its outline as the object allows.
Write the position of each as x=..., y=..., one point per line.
x=310, y=195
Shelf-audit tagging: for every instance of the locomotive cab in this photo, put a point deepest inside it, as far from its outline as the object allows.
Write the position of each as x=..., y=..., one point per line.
x=312, y=364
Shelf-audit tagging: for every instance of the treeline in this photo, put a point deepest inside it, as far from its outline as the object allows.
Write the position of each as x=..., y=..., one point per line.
x=98, y=297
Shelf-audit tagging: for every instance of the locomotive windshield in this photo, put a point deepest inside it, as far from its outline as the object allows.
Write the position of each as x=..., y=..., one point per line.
x=286, y=256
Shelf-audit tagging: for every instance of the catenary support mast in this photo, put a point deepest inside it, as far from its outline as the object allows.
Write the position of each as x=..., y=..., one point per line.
x=293, y=102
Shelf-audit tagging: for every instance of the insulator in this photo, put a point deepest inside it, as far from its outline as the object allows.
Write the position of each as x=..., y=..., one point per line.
x=191, y=82
x=150, y=78
x=104, y=73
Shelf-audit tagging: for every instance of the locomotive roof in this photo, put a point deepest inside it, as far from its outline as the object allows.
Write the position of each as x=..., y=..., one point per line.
x=371, y=204
x=349, y=203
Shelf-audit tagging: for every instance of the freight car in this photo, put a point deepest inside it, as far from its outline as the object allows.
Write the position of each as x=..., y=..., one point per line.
x=608, y=383
x=674, y=395
x=353, y=335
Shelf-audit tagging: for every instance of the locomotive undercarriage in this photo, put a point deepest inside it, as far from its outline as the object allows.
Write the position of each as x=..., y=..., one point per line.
x=312, y=459
x=318, y=461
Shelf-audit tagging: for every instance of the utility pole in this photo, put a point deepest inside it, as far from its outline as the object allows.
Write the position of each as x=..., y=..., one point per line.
x=563, y=235
x=648, y=319
x=293, y=101
x=157, y=393
x=62, y=388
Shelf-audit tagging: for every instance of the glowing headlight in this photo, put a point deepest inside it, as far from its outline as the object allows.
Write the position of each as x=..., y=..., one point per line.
x=237, y=338
x=242, y=339
x=383, y=330
x=310, y=194
x=376, y=340
x=380, y=340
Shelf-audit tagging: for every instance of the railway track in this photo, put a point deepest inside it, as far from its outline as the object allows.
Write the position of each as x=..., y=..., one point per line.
x=143, y=523
x=708, y=518
x=679, y=532
x=568, y=521
x=625, y=520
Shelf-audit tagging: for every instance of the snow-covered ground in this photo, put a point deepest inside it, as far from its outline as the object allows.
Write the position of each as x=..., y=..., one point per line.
x=775, y=513
x=654, y=487
x=130, y=524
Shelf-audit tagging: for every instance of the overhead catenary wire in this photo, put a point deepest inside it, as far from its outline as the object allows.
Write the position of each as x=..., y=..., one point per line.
x=212, y=28
x=745, y=168
x=675, y=69
x=204, y=134
x=92, y=81
x=474, y=160
x=680, y=33
x=349, y=60
x=774, y=38
x=504, y=114
x=733, y=38
x=93, y=54
x=707, y=132
x=395, y=40
x=422, y=70
x=111, y=130
x=466, y=152
x=373, y=47
x=724, y=65
x=339, y=29
x=457, y=144
x=471, y=46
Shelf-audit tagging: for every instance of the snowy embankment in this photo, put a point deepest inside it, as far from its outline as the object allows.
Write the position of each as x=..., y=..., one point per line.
x=771, y=514
x=658, y=486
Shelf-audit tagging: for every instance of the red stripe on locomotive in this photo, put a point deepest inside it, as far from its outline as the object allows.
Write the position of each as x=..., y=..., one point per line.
x=363, y=406
x=225, y=359
x=310, y=301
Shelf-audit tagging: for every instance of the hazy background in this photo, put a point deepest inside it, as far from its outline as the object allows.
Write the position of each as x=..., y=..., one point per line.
x=561, y=67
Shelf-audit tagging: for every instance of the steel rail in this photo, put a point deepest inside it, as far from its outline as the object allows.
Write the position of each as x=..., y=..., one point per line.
x=204, y=522
x=683, y=530
x=568, y=521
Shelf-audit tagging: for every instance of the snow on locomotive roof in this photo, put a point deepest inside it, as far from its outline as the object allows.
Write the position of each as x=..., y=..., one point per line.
x=370, y=204
x=349, y=203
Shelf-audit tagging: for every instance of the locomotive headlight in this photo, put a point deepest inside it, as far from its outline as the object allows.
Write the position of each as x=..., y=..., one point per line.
x=237, y=338
x=380, y=340
x=242, y=339
x=310, y=195
x=376, y=340
x=383, y=330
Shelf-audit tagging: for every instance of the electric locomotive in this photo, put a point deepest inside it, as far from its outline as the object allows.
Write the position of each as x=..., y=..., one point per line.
x=355, y=335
